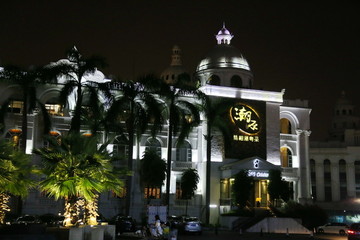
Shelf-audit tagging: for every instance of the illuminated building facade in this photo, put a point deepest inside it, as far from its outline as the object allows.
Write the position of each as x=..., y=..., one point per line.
x=267, y=132
x=335, y=165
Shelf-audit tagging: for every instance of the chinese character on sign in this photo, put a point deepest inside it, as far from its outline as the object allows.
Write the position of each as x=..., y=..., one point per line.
x=244, y=115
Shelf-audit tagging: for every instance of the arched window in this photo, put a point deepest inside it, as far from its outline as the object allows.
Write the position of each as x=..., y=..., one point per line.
x=183, y=152
x=342, y=179
x=236, y=81
x=120, y=147
x=286, y=157
x=214, y=80
x=327, y=180
x=154, y=144
x=285, y=126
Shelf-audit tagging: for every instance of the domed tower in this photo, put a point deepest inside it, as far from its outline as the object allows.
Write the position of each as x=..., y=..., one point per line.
x=171, y=74
x=224, y=65
x=344, y=118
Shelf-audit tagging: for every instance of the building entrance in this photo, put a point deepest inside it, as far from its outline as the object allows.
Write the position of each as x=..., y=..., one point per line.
x=261, y=196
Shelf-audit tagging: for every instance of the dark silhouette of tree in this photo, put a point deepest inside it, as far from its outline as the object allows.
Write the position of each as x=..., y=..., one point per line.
x=183, y=114
x=241, y=188
x=131, y=114
x=152, y=170
x=278, y=188
x=75, y=69
x=189, y=181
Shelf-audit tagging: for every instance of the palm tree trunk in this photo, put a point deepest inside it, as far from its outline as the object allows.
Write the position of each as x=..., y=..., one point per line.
x=130, y=161
x=71, y=211
x=24, y=122
x=4, y=207
x=75, y=122
x=168, y=168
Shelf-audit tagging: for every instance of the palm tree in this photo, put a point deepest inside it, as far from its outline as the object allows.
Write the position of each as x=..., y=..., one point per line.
x=137, y=108
x=183, y=115
x=15, y=170
x=77, y=170
x=214, y=114
x=152, y=170
x=189, y=181
x=27, y=81
x=75, y=69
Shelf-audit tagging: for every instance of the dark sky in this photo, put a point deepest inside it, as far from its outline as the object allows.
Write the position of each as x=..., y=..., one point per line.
x=310, y=49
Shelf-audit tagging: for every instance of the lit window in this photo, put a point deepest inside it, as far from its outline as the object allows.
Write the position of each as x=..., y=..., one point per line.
x=54, y=109
x=15, y=106
x=152, y=193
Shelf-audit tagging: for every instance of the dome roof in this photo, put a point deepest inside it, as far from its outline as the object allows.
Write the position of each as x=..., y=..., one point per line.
x=223, y=56
x=224, y=31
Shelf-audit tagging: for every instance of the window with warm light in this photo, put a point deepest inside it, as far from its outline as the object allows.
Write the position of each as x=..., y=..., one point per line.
x=54, y=109
x=15, y=106
x=152, y=193
x=286, y=157
x=285, y=126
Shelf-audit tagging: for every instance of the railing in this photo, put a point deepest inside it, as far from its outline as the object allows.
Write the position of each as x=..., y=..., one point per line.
x=177, y=165
x=288, y=137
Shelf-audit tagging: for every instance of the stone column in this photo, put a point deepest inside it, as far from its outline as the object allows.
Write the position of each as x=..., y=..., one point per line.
x=335, y=181
x=350, y=179
x=304, y=165
x=320, y=186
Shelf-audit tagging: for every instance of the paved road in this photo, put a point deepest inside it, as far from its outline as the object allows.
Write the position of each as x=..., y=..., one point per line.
x=230, y=235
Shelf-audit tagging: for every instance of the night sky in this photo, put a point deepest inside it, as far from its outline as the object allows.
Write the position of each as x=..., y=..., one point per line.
x=310, y=49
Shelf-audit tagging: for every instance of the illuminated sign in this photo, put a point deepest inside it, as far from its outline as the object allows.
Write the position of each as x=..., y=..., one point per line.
x=258, y=174
x=256, y=163
x=247, y=120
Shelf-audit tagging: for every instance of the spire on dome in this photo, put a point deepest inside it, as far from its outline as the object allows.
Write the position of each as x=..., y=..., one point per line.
x=224, y=36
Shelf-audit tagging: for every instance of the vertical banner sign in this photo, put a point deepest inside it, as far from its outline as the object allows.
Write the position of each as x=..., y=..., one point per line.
x=246, y=119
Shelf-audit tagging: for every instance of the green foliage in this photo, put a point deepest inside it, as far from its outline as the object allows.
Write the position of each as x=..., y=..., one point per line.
x=241, y=188
x=15, y=179
x=278, y=188
x=152, y=169
x=189, y=181
x=77, y=168
x=310, y=214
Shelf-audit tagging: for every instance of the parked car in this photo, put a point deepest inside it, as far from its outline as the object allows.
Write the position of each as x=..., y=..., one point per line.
x=52, y=220
x=124, y=224
x=337, y=228
x=27, y=219
x=175, y=221
x=192, y=225
x=354, y=231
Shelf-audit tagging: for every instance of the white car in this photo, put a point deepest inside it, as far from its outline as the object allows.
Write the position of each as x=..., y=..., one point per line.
x=337, y=228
